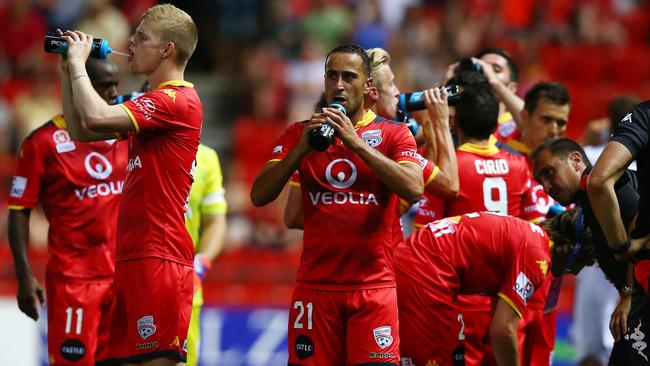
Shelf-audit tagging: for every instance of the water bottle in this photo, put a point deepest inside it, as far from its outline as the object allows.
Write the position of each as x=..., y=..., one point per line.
x=321, y=138
x=56, y=44
x=410, y=102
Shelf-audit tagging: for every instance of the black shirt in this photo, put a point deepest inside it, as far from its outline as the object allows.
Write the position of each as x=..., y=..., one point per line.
x=632, y=133
x=628, y=201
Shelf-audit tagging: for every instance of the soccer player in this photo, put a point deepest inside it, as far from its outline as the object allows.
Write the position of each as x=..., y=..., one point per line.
x=205, y=219
x=545, y=116
x=441, y=178
x=490, y=179
x=150, y=316
x=477, y=253
x=344, y=309
x=78, y=185
x=562, y=166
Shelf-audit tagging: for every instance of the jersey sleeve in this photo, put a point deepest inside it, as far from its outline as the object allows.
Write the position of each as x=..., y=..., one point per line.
x=27, y=181
x=214, y=197
x=404, y=149
x=632, y=132
x=289, y=140
x=535, y=203
x=294, y=181
x=161, y=109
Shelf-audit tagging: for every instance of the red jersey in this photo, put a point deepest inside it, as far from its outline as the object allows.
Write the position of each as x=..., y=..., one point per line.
x=536, y=202
x=430, y=207
x=490, y=179
x=349, y=214
x=151, y=221
x=477, y=253
x=78, y=185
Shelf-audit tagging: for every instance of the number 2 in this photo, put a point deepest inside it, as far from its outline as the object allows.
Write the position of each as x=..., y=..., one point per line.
x=461, y=333
x=492, y=205
x=310, y=309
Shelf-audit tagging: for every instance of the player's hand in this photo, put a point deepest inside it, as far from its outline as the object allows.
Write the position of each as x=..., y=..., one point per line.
x=79, y=45
x=202, y=265
x=64, y=57
x=342, y=125
x=488, y=71
x=303, y=144
x=30, y=294
x=618, y=321
x=436, y=102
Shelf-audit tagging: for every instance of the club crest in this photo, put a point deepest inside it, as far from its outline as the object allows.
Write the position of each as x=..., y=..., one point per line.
x=146, y=328
x=383, y=336
x=372, y=137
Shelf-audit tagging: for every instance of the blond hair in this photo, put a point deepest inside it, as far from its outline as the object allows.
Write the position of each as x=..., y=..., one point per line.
x=175, y=26
x=378, y=56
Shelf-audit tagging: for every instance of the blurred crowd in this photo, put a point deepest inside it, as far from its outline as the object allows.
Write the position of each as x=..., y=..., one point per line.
x=267, y=59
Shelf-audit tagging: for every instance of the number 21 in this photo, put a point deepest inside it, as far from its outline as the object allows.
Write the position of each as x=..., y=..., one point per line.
x=310, y=309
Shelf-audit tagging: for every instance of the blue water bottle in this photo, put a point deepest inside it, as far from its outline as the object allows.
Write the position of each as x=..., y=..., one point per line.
x=55, y=44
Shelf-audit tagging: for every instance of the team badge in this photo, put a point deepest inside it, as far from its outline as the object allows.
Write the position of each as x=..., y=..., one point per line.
x=372, y=137
x=146, y=328
x=383, y=336
x=506, y=129
x=62, y=141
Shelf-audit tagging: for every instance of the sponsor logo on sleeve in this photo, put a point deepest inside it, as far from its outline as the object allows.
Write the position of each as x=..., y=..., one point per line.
x=524, y=287
x=372, y=137
x=18, y=186
x=62, y=141
x=72, y=350
x=134, y=163
x=277, y=149
x=627, y=118
x=146, y=106
x=146, y=328
x=383, y=336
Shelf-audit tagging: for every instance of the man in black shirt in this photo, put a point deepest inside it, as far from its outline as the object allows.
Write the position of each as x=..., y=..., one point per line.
x=562, y=167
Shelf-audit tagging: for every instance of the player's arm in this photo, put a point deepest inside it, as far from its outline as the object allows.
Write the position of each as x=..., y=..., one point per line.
x=445, y=184
x=503, y=334
x=97, y=115
x=403, y=179
x=268, y=185
x=608, y=169
x=293, y=207
x=514, y=104
x=30, y=292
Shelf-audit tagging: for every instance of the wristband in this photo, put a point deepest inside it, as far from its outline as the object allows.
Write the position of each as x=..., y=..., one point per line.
x=623, y=248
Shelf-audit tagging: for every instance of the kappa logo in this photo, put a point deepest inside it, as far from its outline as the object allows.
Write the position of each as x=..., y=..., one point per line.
x=146, y=328
x=344, y=179
x=372, y=137
x=170, y=93
x=383, y=336
x=524, y=287
x=627, y=118
x=62, y=141
x=98, y=166
x=543, y=265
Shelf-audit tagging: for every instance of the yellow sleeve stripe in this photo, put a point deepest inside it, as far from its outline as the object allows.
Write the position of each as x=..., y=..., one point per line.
x=294, y=183
x=417, y=226
x=17, y=208
x=435, y=172
x=135, y=123
x=511, y=303
x=409, y=162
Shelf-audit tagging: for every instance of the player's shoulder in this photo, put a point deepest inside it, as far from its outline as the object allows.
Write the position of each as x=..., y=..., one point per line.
x=52, y=130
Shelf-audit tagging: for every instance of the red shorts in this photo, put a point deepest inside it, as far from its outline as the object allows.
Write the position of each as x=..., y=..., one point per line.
x=151, y=311
x=343, y=327
x=477, y=336
x=77, y=319
x=536, y=336
x=431, y=328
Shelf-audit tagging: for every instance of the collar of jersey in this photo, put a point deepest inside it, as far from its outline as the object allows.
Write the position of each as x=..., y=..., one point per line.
x=490, y=149
x=505, y=117
x=519, y=146
x=367, y=118
x=175, y=83
x=59, y=122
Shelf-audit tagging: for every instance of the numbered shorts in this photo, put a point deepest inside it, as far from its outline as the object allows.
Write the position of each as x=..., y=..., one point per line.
x=536, y=336
x=77, y=319
x=151, y=311
x=344, y=327
x=431, y=328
